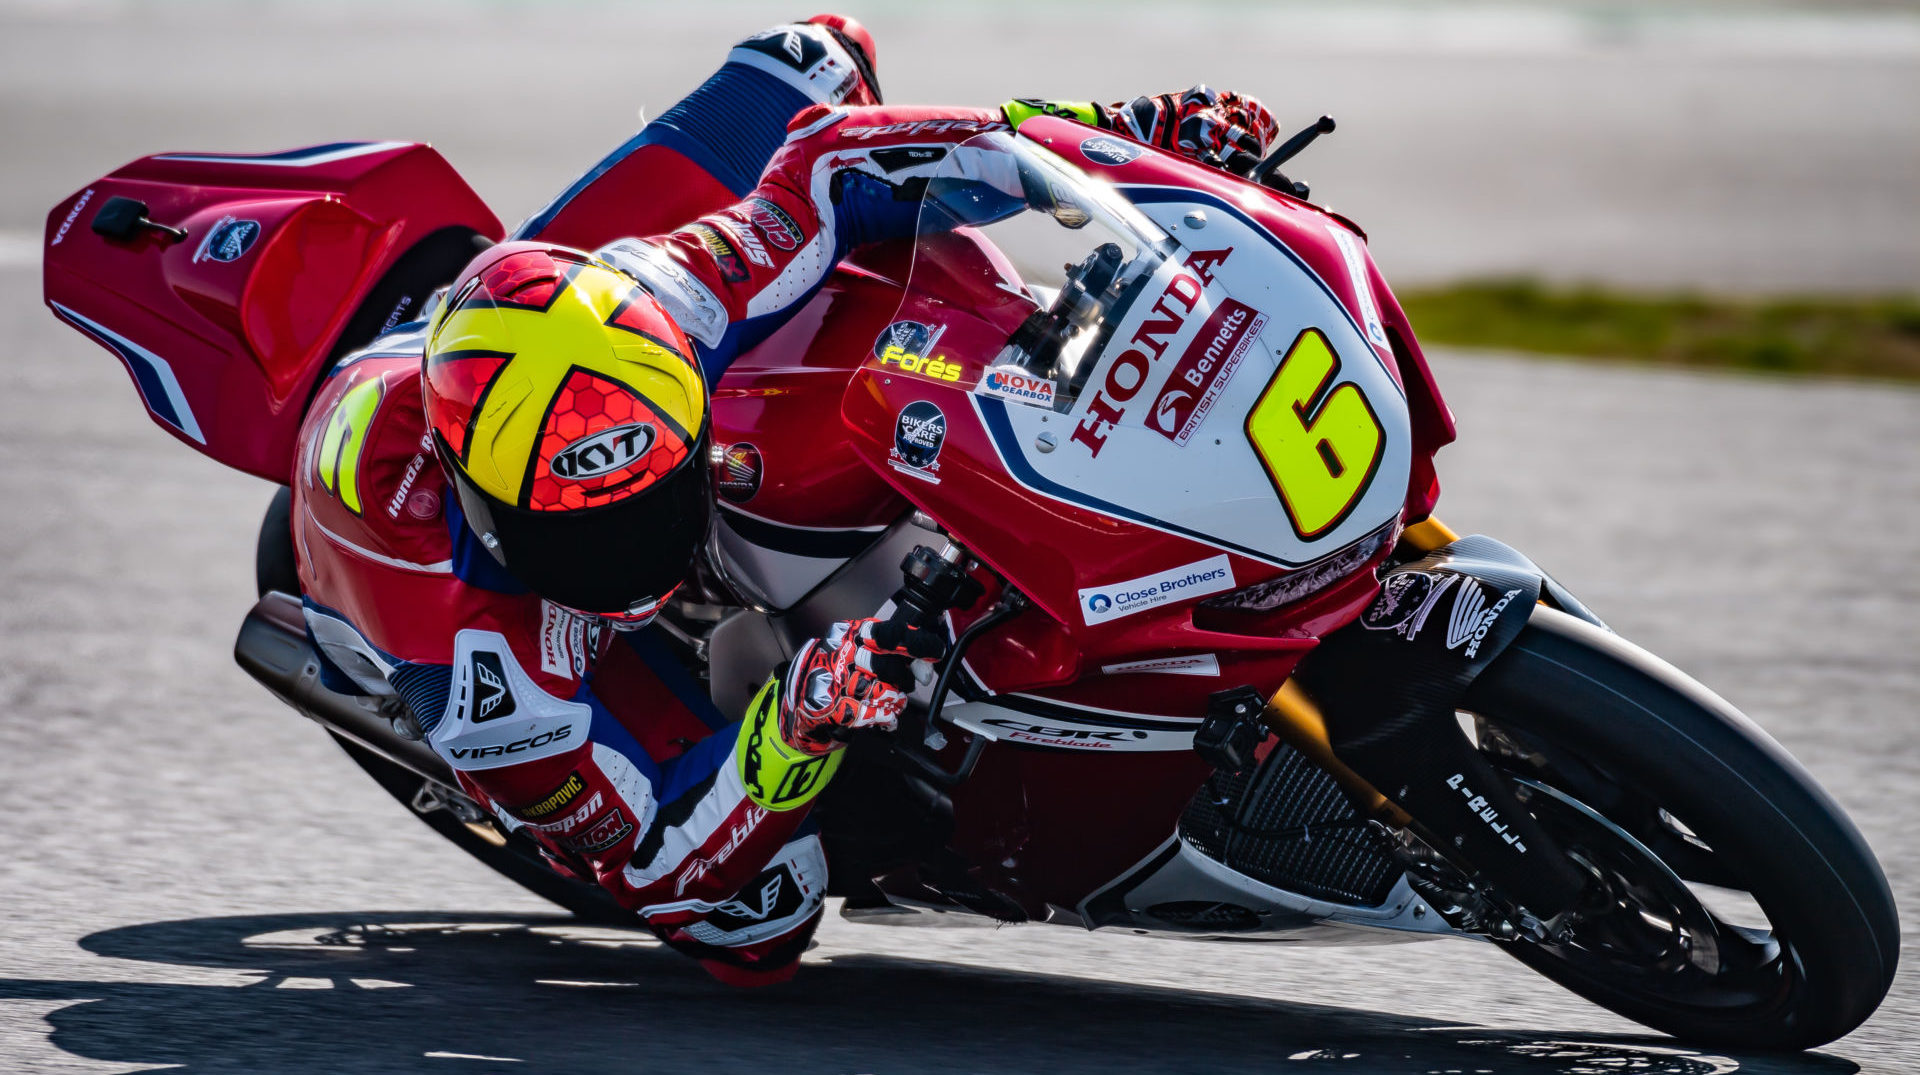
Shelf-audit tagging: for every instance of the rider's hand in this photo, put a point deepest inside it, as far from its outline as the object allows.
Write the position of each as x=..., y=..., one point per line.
x=856, y=677
x=1225, y=130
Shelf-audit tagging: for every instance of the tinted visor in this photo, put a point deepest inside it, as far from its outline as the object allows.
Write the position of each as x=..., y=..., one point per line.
x=605, y=559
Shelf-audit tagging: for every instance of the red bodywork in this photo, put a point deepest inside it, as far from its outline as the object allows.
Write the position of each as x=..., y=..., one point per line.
x=243, y=340
x=1045, y=826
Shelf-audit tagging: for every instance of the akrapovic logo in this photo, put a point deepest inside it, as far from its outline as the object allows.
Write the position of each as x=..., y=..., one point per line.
x=557, y=800
x=1102, y=603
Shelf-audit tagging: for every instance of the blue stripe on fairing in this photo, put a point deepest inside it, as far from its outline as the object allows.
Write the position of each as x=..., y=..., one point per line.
x=730, y=127
x=1144, y=194
x=292, y=158
x=152, y=375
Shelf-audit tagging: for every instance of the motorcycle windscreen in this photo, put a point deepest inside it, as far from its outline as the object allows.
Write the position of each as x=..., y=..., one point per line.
x=1151, y=358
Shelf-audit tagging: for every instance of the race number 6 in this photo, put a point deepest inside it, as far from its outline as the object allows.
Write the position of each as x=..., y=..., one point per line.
x=1320, y=447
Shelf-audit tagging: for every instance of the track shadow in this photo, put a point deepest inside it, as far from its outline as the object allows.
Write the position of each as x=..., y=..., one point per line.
x=389, y=992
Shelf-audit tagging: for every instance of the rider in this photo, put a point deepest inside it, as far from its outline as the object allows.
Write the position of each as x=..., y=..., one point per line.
x=501, y=594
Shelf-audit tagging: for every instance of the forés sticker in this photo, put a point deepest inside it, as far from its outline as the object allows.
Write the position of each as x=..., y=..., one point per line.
x=908, y=347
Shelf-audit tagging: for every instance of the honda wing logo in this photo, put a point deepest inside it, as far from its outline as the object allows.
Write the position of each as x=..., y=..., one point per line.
x=491, y=698
x=1471, y=619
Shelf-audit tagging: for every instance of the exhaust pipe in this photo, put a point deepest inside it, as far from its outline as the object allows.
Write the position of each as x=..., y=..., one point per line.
x=274, y=649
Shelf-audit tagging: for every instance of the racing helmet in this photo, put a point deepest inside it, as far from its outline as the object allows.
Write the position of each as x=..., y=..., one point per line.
x=572, y=421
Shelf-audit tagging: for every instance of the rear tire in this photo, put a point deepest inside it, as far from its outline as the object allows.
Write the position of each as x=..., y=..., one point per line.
x=274, y=567
x=1719, y=802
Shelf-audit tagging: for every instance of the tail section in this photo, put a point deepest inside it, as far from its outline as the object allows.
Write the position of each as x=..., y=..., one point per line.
x=228, y=283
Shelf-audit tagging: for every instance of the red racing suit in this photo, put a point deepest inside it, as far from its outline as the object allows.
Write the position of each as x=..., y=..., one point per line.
x=603, y=746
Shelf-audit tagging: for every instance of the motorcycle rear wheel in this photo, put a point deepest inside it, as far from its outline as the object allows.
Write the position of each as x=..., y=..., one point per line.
x=1694, y=817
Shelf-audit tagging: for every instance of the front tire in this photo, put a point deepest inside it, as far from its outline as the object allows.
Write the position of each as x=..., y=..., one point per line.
x=1629, y=758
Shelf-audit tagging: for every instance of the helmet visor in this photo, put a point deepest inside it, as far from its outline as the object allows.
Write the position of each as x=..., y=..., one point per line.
x=612, y=560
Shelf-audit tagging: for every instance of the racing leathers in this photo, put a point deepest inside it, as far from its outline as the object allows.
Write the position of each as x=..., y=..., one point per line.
x=601, y=745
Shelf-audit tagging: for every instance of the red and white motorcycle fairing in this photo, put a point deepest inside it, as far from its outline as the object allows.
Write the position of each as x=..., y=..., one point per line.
x=1099, y=689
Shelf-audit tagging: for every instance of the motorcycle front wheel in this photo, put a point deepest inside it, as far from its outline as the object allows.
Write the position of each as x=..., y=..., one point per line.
x=1735, y=904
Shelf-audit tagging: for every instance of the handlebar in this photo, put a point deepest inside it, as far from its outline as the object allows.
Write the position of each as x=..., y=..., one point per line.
x=1267, y=173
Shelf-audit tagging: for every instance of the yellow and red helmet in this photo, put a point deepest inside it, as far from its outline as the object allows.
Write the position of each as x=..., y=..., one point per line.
x=572, y=422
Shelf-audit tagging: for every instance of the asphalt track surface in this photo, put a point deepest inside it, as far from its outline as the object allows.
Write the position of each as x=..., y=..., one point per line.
x=192, y=876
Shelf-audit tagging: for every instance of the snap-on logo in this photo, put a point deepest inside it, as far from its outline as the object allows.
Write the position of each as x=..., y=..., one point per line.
x=774, y=223
x=604, y=452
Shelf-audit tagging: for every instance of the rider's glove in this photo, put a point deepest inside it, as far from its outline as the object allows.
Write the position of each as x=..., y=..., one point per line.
x=856, y=677
x=1225, y=130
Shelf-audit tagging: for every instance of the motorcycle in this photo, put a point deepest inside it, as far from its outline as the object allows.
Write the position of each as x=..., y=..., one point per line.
x=1217, y=671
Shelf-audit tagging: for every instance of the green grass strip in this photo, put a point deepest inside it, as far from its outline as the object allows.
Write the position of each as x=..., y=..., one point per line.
x=1876, y=337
